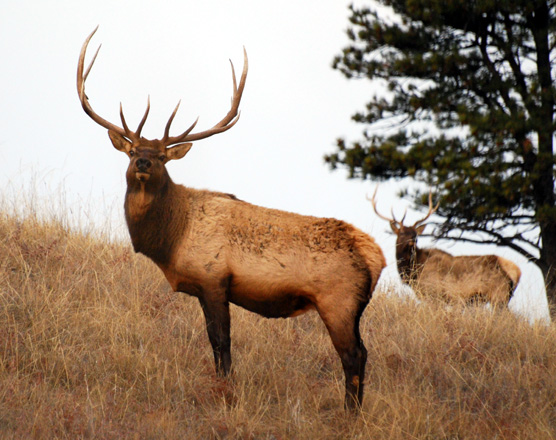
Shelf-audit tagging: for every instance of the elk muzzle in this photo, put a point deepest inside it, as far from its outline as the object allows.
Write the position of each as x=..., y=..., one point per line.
x=143, y=166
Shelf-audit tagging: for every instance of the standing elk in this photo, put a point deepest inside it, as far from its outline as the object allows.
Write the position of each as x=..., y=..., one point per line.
x=222, y=250
x=435, y=273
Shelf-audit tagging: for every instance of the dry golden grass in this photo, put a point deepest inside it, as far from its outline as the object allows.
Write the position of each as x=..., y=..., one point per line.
x=93, y=344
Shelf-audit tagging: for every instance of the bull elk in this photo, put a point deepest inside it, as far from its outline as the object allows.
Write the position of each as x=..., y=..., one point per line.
x=435, y=273
x=222, y=250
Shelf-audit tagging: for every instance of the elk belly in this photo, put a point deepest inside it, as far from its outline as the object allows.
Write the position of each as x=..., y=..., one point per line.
x=268, y=295
x=278, y=305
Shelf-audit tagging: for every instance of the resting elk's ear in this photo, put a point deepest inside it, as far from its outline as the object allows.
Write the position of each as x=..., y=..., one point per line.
x=120, y=143
x=420, y=229
x=178, y=151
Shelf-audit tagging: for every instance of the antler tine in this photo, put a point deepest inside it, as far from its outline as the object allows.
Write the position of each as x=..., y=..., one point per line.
x=234, y=78
x=124, y=124
x=128, y=133
x=373, y=202
x=431, y=211
x=140, y=127
x=403, y=218
x=81, y=77
x=169, y=123
x=166, y=138
x=91, y=64
x=228, y=121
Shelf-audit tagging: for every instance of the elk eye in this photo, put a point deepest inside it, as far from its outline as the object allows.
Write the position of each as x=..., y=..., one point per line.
x=131, y=153
x=162, y=158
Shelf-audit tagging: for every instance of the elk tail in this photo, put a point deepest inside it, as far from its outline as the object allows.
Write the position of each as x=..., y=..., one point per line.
x=371, y=253
x=511, y=270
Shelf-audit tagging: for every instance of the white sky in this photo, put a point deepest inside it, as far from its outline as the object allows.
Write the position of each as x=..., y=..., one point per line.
x=293, y=108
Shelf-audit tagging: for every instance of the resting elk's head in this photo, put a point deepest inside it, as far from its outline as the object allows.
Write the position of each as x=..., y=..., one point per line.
x=149, y=157
x=406, y=235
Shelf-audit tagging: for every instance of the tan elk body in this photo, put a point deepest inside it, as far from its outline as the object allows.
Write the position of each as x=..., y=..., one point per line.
x=438, y=274
x=223, y=250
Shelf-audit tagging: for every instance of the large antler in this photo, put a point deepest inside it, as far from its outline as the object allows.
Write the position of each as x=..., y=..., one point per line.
x=82, y=77
x=383, y=217
x=400, y=223
x=225, y=124
x=431, y=211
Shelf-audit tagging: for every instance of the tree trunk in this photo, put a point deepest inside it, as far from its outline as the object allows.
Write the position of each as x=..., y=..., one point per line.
x=544, y=169
x=547, y=264
x=550, y=282
x=549, y=275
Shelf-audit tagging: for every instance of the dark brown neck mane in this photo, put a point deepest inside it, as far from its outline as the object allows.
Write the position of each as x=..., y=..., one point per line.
x=405, y=258
x=156, y=219
x=410, y=260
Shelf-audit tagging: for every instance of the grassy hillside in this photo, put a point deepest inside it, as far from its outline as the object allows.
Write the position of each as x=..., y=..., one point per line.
x=93, y=344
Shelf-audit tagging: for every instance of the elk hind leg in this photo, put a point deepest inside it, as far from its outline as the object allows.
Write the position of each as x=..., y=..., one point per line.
x=343, y=327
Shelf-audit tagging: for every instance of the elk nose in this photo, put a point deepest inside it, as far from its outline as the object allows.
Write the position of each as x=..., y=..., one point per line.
x=143, y=164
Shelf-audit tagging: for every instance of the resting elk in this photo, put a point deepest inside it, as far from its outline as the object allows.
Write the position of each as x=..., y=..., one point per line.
x=435, y=273
x=222, y=250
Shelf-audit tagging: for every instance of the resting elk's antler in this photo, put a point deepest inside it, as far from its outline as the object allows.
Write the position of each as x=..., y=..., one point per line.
x=399, y=223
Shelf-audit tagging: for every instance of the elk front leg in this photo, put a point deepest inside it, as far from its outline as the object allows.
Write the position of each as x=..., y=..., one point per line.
x=217, y=316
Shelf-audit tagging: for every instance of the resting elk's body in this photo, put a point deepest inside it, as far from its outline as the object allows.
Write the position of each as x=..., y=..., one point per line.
x=223, y=250
x=435, y=273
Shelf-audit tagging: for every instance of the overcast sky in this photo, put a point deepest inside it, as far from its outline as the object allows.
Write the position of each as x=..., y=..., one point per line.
x=293, y=108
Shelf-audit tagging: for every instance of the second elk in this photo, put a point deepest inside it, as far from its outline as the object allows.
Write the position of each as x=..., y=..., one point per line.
x=433, y=273
x=222, y=250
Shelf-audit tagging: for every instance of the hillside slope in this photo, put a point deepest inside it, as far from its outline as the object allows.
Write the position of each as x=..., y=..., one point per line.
x=93, y=344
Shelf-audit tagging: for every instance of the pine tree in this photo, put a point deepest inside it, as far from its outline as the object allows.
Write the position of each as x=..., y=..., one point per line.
x=469, y=110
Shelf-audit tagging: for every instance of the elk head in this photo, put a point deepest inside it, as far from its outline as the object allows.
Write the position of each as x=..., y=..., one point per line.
x=149, y=157
x=407, y=235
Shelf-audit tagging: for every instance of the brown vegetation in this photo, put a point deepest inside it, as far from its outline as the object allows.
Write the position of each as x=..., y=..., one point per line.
x=95, y=345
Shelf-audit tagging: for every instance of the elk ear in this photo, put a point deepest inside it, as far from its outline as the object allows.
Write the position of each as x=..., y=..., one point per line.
x=395, y=229
x=120, y=143
x=421, y=229
x=178, y=151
